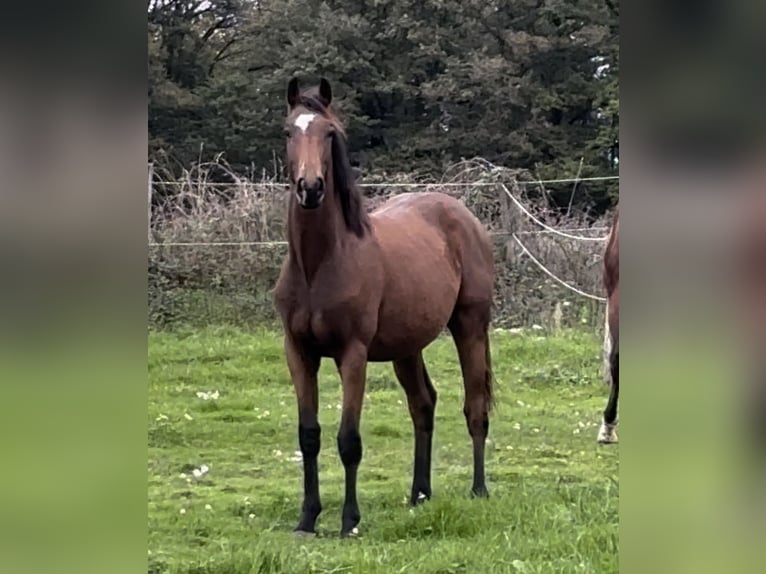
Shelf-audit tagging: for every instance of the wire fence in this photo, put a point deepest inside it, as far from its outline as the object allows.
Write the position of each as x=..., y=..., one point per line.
x=215, y=250
x=402, y=184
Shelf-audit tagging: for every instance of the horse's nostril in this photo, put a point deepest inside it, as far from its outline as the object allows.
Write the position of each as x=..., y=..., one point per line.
x=302, y=184
x=313, y=186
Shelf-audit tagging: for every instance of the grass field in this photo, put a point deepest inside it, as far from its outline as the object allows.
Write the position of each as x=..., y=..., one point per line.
x=225, y=480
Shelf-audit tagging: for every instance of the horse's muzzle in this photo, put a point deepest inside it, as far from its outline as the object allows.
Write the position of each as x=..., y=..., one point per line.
x=310, y=194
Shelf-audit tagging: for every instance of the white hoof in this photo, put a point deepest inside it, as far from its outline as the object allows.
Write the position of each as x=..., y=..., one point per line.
x=607, y=434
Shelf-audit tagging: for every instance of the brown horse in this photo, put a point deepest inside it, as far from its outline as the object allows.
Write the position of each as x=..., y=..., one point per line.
x=607, y=433
x=379, y=287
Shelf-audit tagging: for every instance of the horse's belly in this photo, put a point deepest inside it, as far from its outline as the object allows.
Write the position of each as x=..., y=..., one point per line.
x=408, y=324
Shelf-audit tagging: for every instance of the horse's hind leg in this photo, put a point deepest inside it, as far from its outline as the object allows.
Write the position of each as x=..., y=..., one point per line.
x=421, y=398
x=469, y=326
x=607, y=433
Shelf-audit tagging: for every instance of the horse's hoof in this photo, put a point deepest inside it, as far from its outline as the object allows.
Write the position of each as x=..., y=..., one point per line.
x=480, y=492
x=607, y=434
x=353, y=533
x=303, y=533
x=419, y=499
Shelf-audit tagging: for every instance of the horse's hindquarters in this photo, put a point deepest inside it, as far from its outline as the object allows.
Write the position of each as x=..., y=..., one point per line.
x=433, y=258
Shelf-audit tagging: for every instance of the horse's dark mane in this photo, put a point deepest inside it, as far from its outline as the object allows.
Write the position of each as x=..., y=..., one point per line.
x=351, y=199
x=344, y=178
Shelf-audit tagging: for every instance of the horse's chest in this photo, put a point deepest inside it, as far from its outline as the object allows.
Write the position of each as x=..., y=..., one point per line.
x=314, y=324
x=325, y=315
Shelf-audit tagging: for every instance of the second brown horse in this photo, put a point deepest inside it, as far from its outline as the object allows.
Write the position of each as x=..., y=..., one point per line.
x=379, y=287
x=607, y=433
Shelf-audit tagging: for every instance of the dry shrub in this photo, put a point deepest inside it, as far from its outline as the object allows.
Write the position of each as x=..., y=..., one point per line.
x=233, y=283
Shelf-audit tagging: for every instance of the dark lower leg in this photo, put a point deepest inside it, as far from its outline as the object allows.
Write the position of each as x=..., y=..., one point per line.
x=303, y=371
x=610, y=412
x=309, y=437
x=421, y=400
x=421, y=478
x=350, y=449
x=353, y=372
x=607, y=432
x=478, y=427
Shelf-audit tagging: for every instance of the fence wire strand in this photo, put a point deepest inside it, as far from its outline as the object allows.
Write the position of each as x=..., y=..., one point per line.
x=403, y=184
x=553, y=276
x=543, y=225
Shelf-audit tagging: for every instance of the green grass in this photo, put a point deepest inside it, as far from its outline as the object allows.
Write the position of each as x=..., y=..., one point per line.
x=553, y=503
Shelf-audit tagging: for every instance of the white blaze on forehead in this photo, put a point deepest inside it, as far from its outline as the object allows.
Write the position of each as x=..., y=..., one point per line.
x=304, y=120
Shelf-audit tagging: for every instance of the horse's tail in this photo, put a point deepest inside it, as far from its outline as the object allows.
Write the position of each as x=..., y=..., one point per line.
x=489, y=378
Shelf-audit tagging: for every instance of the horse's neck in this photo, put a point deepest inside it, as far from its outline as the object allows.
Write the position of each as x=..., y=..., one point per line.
x=315, y=236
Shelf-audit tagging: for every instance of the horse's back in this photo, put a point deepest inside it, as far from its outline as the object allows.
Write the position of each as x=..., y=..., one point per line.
x=435, y=225
x=432, y=212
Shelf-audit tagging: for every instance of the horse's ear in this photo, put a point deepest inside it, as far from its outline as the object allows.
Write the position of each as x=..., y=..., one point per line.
x=292, y=92
x=325, y=91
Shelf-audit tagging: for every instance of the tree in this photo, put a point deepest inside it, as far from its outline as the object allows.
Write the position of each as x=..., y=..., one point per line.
x=420, y=83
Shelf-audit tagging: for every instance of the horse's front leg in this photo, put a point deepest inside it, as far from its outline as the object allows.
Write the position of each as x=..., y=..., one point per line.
x=303, y=371
x=352, y=366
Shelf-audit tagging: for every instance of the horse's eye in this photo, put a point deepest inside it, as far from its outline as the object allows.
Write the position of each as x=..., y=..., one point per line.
x=288, y=133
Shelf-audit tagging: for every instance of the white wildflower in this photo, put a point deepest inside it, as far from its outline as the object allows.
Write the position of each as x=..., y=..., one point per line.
x=517, y=426
x=297, y=456
x=183, y=511
x=208, y=507
x=251, y=516
x=161, y=417
x=188, y=417
x=201, y=471
x=207, y=396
